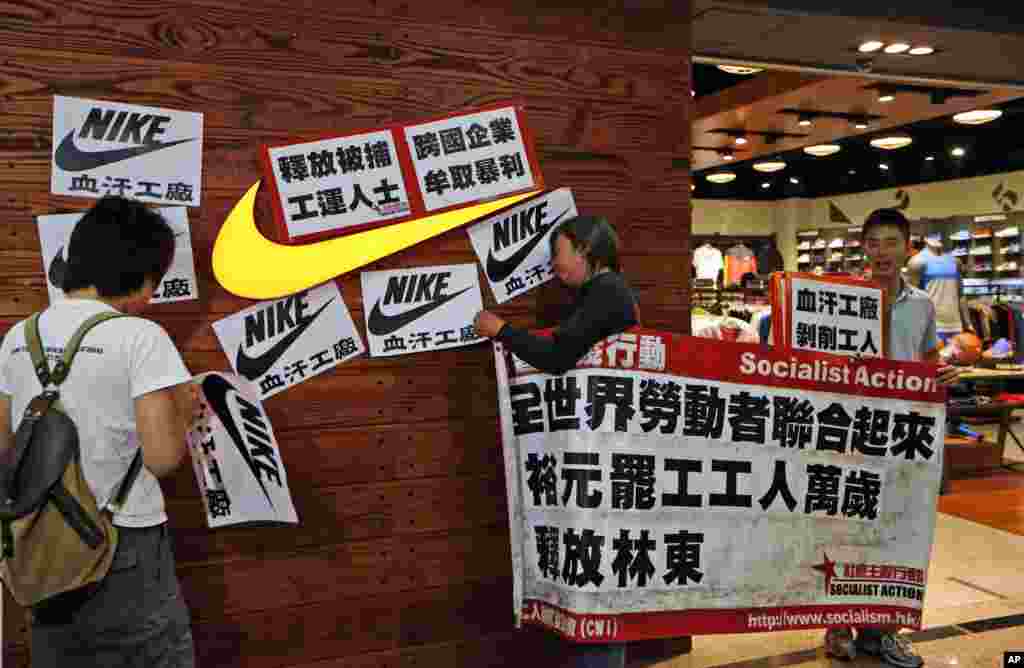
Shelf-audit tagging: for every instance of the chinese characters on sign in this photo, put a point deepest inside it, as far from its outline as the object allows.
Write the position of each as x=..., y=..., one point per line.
x=179, y=284
x=108, y=148
x=475, y=156
x=514, y=245
x=420, y=309
x=280, y=343
x=235, y=455
x=338, y=183
x=662, y=478
x=836, y=318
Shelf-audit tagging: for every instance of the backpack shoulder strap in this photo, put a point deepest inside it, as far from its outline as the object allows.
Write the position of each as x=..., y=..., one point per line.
x=63, y=366
x=35, y=349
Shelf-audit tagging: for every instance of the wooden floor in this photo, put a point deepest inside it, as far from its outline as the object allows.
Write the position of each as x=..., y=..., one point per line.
x=994, y=498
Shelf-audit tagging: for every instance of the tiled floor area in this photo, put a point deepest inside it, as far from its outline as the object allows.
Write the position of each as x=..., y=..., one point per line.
x=974, y=606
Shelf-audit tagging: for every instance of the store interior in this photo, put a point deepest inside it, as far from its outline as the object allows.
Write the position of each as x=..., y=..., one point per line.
x=794, y=159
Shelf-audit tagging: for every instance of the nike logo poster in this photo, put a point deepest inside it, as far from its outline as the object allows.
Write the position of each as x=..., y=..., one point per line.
x=470, y=157
x=422, y=308
x=178, y=285
x=235, y=456
x=514, y=247
x=280, y=343
x=109, y=148
x=339, y=183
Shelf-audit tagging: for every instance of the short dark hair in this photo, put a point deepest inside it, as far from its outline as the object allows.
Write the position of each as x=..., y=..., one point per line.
x=116, y=246
x=593, y=236
x=886, y=218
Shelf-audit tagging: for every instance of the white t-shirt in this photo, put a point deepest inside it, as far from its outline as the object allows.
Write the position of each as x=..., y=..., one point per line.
x=117, y=361
x=708, y=261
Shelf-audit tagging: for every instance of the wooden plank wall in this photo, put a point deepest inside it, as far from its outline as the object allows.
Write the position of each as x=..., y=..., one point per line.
x=402, y=554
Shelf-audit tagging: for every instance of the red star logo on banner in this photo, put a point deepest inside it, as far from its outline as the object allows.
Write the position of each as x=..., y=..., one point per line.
x=828, y=568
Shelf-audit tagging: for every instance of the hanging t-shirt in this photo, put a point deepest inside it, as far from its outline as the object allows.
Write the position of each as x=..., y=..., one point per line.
x=707, y=260
x=940, y=278
x=739, y=260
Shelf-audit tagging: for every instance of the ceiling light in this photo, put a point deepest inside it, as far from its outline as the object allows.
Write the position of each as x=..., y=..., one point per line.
x=898, y=47
x=721, y=177
x=929, y=158
x=794, y=180
x=692, y=187
x=693, y=93
x=853, y=171
x=892, y=142
x=869, y=47
x=822, y=150
x=739, y=69
x=740, y=141
x=769, y=166
x=805, y=120
x=886, y=97
x=978, y=116
x=884, y=167
x=922, y=51
x=728, y=156
x=860, y=123
x=766, y=185
x=958, y=152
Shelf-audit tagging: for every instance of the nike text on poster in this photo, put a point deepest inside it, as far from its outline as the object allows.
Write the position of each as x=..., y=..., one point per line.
x=179, y=284
x=514, y=245
x=236, y=457
x=421, y=308
x=110, y=148
x=280, y=343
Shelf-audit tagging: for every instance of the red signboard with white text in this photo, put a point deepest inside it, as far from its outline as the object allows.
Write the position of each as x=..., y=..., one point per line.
x=340, y=184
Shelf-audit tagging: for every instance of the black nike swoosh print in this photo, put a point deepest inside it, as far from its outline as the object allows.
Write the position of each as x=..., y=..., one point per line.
x=216, y=389
x=254, y=367
x=58, y=269
x=70, y=158
x=382, y=325
x=499, y=270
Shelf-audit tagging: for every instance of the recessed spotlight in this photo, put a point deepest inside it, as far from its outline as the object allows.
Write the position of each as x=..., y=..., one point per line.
x=693, y=93
x=766, y=185
x=739, y=69
x=805, y=120
x=886, y=97
x=883, y=166
x=852, y=171
x=861, y=123
x=892, y=142
x=898, y=47
x=728, y=157
x=692, y=187
x=769, y=166
x=958, y=152
x=921, y=51
x=740, y=141
x=721, y=177
x=978, y=116
x=822, y=150
x=929, y=158
x=794, y=180
x=870, y=47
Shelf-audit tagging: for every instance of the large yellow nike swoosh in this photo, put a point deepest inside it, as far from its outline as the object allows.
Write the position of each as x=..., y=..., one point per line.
x=248, y=264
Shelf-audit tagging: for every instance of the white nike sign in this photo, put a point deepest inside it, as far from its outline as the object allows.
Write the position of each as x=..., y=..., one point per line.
x=151, y=154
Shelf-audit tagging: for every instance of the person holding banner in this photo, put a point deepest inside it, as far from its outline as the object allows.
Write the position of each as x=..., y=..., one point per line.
x=128, y=390
x=885, y=238
x=585, y=256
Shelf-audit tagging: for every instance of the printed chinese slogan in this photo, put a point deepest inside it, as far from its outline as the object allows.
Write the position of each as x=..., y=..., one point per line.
x=666, y=487
x=842, y=318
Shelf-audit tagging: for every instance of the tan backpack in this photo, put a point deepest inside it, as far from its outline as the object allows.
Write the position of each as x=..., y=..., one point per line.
x=55, y=540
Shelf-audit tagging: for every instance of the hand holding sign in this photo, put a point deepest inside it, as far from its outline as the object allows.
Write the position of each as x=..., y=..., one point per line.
x=487, y=324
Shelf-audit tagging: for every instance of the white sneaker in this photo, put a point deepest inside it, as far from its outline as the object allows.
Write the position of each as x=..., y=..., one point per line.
x=962, y=235
x=838, y=242
x=804, y=245
x=959, y=252
x=804, y=259
x=1007, y=266
x=981, y=250
x=1012, y=248
x=1008, y=232
x=820, y=243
